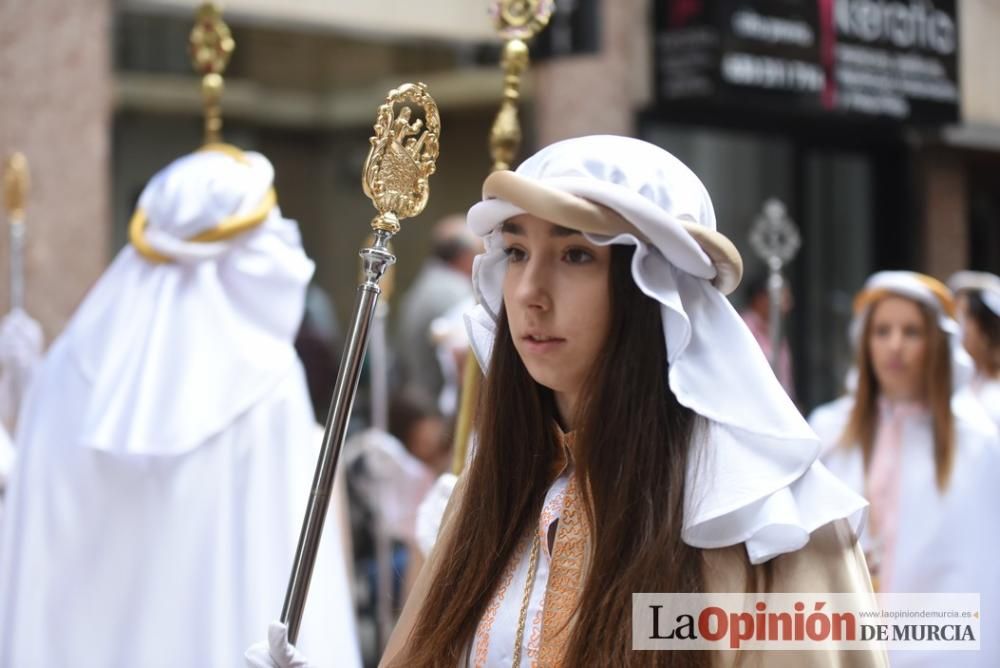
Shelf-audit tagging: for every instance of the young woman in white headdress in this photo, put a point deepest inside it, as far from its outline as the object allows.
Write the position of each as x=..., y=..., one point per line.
x=631, y=436
x=925, y=455
x=978, y=302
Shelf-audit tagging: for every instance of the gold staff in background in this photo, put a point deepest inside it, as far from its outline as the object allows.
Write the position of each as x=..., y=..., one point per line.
x=395, y=177
x=516, y=21
x=211, y=46
x=16, y=183
x=21, y=338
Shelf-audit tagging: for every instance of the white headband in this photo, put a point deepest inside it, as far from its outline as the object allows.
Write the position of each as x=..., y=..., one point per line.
x=754, y=477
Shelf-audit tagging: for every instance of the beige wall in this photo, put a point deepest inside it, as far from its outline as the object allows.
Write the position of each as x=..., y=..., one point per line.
x=979, y=26
x=943, y=171
x=597, y=93
x=55, y=78
x=945, y=232
x=452, y=19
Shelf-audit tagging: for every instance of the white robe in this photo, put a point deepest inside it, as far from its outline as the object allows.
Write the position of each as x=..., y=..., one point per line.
x=6, y=463
x=988, y=394
x=115, y=560
x=944, y=542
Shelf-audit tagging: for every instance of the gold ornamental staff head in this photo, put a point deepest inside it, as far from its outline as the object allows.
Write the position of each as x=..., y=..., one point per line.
x=516, y=21
x=15, y=186
x=211, y=46
x=403, y=155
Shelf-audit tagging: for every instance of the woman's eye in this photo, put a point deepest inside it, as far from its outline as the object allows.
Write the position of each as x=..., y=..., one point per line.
x=577, y=256
x=514, y=254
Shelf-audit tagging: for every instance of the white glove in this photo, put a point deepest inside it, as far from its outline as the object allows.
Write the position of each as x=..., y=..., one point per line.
x=276, y=652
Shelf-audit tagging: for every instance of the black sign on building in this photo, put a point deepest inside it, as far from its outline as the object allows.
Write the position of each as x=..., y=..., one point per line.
x=574, y=29
x=892, y=59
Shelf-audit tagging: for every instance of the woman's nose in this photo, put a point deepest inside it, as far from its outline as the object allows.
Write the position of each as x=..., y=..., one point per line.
x=533, y=287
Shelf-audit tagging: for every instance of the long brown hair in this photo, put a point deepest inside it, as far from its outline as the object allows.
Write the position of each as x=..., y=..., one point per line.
x=937, y=383
x=631, y=452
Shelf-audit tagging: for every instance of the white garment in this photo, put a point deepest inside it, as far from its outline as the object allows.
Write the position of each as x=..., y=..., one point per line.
x=166, y=449
x=6, y=464
x=398, y=481
x=451, y=344
x=6, y=458
x=115, y=561
x=430, y=513
x=944, y=542
x=21, y=343
x=987, y=392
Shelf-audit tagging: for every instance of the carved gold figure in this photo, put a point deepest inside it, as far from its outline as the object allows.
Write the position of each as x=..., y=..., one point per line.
x=402, y=156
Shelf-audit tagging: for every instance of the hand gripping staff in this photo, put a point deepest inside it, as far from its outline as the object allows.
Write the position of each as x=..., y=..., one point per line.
x=403, y=153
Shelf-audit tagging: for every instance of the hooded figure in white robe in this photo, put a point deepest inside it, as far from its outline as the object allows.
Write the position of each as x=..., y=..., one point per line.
x=167, y=445
x=920, y=537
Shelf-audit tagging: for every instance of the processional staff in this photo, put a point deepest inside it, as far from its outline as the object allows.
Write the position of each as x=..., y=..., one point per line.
x=21, y=338
x=517, y=22
x=395, y=177
x=15, y=190
x=775, y=239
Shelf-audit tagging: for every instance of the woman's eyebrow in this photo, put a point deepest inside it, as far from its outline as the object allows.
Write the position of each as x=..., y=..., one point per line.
x=508, y=227
x=560, y=231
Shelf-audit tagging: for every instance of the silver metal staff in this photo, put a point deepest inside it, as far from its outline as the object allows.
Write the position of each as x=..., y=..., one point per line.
x=15, y=189
x=775, y=239
x=395, y=177
x=378, y=372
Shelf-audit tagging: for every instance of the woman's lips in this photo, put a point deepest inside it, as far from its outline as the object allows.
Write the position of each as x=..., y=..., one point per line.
x=540, y=344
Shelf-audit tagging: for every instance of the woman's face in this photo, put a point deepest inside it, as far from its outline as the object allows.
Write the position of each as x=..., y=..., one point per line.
x=898, y=344
x=557, y=295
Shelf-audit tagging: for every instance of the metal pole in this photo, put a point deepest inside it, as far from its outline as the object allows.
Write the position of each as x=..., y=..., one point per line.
x=775, y=238
x=775, y=293
x=376, y=260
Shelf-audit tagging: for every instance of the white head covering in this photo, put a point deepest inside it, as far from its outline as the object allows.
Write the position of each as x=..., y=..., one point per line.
x=986, y=283
x=924, y=290
x=175, y=351
x=754, y=477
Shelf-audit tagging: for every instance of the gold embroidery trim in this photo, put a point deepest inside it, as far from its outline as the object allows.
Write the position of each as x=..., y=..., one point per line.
x=566, y=573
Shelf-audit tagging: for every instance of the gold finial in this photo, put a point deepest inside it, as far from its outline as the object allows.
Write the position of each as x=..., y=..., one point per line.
x=517, y=21
x=211, y=46
x=15, y=185
x=402, y=156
